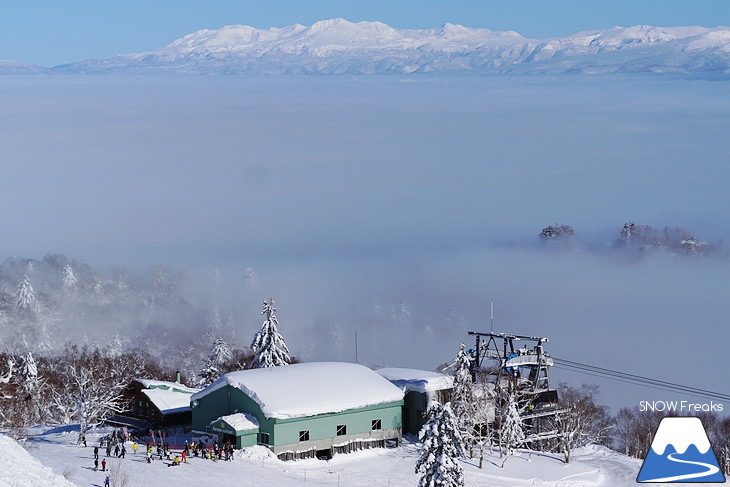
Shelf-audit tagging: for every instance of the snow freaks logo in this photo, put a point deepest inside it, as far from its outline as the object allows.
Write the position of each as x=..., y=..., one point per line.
x=681, y=452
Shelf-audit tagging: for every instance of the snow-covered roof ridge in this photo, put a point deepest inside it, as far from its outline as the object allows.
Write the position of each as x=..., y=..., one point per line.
x=168, y=397
x=417, y=380
x=166, y=385
x=239, y=421
x=309, y=389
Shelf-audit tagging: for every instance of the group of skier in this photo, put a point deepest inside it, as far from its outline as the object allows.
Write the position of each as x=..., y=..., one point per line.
x=210, y=452
x=116, y=443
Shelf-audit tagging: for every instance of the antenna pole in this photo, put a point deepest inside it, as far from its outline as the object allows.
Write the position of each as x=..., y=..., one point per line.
x=491, y=316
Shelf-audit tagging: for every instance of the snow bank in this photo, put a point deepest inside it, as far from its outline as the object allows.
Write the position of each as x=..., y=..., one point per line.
x=417, y=380
x=19, y=469
x=299, y=390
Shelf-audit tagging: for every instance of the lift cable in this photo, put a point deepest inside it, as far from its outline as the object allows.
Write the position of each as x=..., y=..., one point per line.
x=637, y=379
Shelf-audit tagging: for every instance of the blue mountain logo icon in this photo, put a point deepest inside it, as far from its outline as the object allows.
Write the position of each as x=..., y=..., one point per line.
x=681, y=452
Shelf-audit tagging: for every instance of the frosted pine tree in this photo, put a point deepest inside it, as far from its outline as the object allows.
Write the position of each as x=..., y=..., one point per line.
x=69, y=280
x=442, y=445
x=462, y=396
x=268, y=345
x=220, y=355
x=30, y=385
x=26, y=303
x=511, y=433
x=249, y=279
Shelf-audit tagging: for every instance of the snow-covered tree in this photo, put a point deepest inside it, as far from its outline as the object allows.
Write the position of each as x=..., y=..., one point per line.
x=484, y=416
x=6, y=379
x=69, y=280
x=29, y=388
x=511, y=432
x=26, y=303
x=268, y=345
x=401, y=315
x=220, y=355
x=249, y=279
x=585, y=422
x=90, y=386
x=442, y=446
x=462, y=396
x=557, y=232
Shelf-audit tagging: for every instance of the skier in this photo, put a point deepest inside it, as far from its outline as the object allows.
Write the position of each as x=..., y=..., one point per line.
x=103, y=465
x=96, y=464
x=106, y=481
x=96, y=453
x=134, y=447
x=116, y=450
x=122, y=452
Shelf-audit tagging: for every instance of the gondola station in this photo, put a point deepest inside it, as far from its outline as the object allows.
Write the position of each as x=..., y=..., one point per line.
x=303, y=410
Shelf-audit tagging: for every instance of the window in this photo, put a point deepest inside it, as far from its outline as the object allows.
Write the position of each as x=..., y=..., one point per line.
x=341, y=429
x=264, y=439
x=377, y=424
x=304, y=435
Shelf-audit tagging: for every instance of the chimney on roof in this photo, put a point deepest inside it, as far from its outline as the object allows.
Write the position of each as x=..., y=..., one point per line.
x=177, y=376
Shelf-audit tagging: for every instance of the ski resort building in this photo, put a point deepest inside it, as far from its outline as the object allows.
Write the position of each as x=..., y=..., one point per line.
x=156, y=403
x=421, y=387
x=301, y=410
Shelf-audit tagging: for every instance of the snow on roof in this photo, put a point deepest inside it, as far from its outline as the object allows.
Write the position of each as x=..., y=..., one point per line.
x=168, y=397
x=239, y=421
x=165, y=385
x=308, y=389
x=417, y=380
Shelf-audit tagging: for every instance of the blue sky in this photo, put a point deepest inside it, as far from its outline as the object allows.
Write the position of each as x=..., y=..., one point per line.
x=50, y=32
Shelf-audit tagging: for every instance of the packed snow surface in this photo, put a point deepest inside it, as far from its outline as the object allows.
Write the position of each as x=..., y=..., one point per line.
x=417, y=380
x=307, y=389
x=57, y=448
x=240, y=421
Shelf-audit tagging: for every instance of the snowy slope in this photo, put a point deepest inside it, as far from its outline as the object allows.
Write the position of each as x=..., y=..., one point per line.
x=592, y=467
x=20, y=469
x=339, y=46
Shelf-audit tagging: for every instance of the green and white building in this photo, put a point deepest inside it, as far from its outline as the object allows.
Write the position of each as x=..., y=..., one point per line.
x=301, y=410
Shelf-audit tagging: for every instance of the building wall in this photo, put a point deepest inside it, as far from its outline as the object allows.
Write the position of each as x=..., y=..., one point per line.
x=323, y=428
x=228, y=400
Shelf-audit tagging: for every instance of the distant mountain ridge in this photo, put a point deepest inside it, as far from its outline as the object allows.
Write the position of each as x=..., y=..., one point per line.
x=14, y=67
x=337, y=46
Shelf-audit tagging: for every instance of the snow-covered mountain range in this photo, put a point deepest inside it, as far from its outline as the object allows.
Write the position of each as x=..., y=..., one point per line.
x=338, y=46
x=14, y=67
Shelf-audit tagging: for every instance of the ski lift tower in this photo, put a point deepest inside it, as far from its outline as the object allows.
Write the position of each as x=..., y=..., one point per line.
x=525, y=369
x=530, y=363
